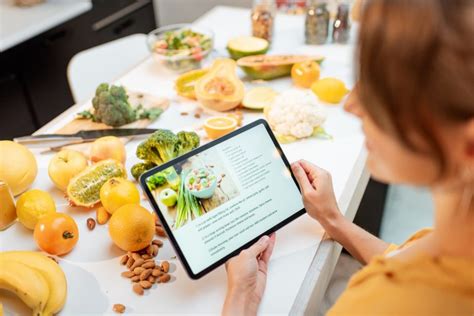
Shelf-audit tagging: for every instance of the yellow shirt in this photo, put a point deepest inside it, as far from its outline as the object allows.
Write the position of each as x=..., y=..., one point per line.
x=422, y=286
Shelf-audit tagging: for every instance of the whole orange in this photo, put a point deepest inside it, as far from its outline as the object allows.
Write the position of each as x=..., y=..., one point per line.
x=132, y=227
x=305, y=73
x=118, y=192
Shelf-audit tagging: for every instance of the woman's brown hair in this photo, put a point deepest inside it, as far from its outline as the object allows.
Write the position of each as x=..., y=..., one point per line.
x=416, y=63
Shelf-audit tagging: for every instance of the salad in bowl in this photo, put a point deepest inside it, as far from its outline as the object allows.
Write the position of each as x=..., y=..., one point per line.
x=201, y=182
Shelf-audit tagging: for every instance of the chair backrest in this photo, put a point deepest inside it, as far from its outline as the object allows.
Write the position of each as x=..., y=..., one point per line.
x=104, y=63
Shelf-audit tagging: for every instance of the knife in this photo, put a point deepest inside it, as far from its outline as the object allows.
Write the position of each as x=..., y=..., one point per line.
x=83, y=135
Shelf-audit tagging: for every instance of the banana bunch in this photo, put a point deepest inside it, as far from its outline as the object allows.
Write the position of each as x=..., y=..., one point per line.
x=36, y=279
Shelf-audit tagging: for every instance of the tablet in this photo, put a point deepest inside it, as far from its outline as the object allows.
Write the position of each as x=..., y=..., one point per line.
x=221, y=197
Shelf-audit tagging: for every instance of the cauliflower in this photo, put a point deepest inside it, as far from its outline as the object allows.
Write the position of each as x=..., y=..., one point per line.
x=295, y=113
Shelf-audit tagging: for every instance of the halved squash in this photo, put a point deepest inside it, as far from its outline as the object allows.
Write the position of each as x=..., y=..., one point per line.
x=220, y=89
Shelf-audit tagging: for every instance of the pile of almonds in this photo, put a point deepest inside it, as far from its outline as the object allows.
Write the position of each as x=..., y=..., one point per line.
x=143, y=270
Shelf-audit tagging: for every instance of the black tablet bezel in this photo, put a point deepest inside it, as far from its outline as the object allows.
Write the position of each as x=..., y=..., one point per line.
x=170, y=163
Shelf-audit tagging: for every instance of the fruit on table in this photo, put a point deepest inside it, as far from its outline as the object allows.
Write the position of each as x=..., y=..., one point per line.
x=268, y=67
x=28, y=284
x=132, y=227
x=84, y=188
x=305, y=73
x=219, y=126
x=64, y=166
x=242, y=46
x=18, y=166
x=33, y=205
x=186, y=83
x=7, y=206
x=51, y=272
x=330, y=90
x=168, y=197
x=117, y=192
x=56, y=234
x=258, y=98
x=220, y=89
x=108, y=147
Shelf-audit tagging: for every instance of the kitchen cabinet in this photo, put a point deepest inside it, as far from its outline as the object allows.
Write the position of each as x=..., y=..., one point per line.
x=37, y=84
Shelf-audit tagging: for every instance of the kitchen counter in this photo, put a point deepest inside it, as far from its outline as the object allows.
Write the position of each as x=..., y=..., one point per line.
x=303, y=259
x=18, y=24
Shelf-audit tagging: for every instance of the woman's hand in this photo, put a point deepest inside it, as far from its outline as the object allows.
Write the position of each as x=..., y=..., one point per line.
x=318, y=193
x=247, y=277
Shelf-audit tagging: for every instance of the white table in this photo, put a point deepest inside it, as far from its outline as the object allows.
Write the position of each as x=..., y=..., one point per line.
x=303, y=260
x=18, y=24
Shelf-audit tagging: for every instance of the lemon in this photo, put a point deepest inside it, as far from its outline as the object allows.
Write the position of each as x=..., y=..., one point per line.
x=330, y=90
x=33, y=205
x=258, y=98
x=218, y=126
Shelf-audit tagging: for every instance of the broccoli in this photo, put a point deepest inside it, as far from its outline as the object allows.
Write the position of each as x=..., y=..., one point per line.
x=162, y=146
x=139, y=168
x=111, y=107
x=156, y=180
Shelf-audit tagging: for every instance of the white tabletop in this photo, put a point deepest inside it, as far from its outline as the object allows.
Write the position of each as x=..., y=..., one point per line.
x=302, y=262
x=18, y=24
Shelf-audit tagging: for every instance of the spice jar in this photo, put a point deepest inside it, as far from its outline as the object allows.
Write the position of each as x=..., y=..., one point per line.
x=341, y=26
x=7, y=206
x=263, y=19
x=317, y=22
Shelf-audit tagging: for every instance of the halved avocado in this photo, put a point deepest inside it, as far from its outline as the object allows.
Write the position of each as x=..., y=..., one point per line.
x=269, y=67
x=220, y=89
x=247, y=46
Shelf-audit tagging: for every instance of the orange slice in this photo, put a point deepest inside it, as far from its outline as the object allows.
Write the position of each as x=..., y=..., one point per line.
x=218, y=126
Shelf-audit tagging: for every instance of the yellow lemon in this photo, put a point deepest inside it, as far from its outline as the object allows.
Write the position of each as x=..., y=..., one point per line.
x=33, y=205
x=218, y=126
x=330, y=90
x=118, y=192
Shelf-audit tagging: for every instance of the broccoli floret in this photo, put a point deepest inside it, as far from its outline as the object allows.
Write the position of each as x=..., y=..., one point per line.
x=111, y=106
x=155, y=181
x=187, y=142
x=139, y=168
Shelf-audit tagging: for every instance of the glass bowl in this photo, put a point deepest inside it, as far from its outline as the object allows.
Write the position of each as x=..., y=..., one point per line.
x=182, y=59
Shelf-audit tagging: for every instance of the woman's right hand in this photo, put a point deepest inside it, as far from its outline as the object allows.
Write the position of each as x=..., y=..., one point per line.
x=318, y=194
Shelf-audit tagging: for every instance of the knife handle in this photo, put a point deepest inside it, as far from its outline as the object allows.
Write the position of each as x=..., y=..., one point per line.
x=29, y=140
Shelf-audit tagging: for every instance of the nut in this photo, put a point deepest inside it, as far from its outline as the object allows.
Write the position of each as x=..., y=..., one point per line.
x=197, y=115
x=137, y=288
x=149, y=265
x=124, y=260
x=137, y=263
x=119, y=308
x=135, y=256
x=145, y=284
x=149, y=250
x=146, y=257
x=130, y=262
x=156, y=272
x=145, y=274
x=157, y=242
x=138, y=270
x=128, y=274
x=136, y=278
x=90, y=223
x=102, y=216
x=164, y=278
x=160, y=231
x=151, y=279
x=165, y=266
x=155, y=250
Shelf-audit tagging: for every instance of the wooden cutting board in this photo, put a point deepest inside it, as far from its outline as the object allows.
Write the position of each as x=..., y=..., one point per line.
x=135, y=98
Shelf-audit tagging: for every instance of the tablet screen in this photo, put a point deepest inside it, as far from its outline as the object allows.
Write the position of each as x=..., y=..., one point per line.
x=224, y=196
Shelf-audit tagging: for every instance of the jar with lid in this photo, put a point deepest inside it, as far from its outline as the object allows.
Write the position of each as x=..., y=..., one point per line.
x=317, y=22
x=341, y=27
x=263, y=18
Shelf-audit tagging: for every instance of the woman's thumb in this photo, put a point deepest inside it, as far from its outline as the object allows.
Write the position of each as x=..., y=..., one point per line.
x=301, y=177
x=259, y=246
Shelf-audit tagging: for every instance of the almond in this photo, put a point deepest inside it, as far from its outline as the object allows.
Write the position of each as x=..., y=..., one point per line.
x=151, y=279
x=137, y=263
x=149, y=250
x=157, y=242
x=146, y=256
x=90, y=223
x=165, y=278
x=145, y=284
x=128, y=274
x=156, y=272
x=148, y=265
x=155, y=250
x=160, y=231
x=102, y=216
x=145, y=274
x=130, y=262
x=135, y=278
x=119, y=308
x=138, y=270
x=124, y=260
x=137, y=288
x=165, y=266
x=135, y=256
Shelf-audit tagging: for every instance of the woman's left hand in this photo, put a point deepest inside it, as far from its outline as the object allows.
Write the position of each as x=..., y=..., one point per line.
x=247, y=277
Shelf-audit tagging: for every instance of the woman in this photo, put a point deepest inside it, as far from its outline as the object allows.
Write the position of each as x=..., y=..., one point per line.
x=415, y=98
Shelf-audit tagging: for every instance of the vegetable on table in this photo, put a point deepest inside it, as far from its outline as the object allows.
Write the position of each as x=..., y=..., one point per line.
x=187, y=205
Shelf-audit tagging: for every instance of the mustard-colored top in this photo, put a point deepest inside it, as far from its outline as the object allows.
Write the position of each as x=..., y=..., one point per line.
x=425, y=285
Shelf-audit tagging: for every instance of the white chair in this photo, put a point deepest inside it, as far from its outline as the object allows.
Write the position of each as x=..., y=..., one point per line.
x=104, y=63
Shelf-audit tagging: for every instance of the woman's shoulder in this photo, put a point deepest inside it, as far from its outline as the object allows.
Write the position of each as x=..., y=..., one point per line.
x=423, y=286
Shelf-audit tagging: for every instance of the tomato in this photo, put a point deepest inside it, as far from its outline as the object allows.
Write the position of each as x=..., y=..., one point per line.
x=57, y=234
x=305, y=73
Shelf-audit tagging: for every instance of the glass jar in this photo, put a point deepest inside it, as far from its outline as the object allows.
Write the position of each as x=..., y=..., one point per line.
x=341, y=27
x=263, y=19
x=317, y=22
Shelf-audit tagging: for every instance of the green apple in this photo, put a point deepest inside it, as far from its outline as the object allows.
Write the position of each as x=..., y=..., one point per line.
x=168, y=197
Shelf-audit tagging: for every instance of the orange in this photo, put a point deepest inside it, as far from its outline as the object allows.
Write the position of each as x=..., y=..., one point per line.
x=218, y=126
x=132, y=227
x=118, y=192
x=305, y=73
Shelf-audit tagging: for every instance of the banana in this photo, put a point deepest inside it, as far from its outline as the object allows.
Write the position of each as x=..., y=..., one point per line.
x=50, y=270
x=28, y=284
